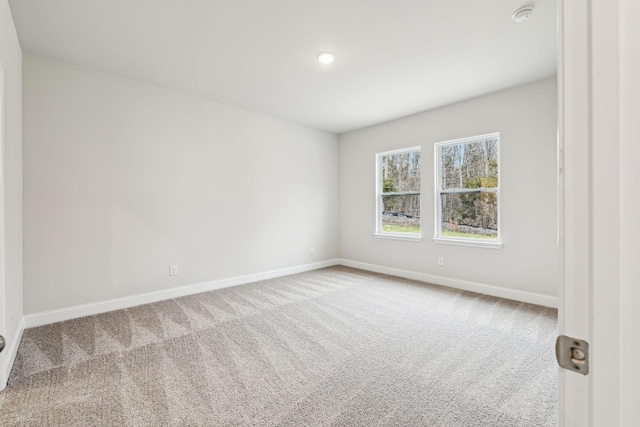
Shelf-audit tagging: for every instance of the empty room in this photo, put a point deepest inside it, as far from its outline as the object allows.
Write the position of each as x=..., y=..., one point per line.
x=285, y=213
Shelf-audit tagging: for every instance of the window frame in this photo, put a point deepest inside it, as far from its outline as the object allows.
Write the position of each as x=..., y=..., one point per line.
x=460, y=241
x=379, y=233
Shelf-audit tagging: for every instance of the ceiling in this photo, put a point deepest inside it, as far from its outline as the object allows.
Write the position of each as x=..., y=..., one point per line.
x=393, y=57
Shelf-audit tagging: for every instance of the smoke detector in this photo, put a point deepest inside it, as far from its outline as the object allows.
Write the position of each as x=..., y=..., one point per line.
x=523, y=14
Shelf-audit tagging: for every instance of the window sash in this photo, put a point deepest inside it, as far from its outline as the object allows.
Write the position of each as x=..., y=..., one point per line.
x=440, y=191
x=381, y=194
x=403, y=193
x=470, y=190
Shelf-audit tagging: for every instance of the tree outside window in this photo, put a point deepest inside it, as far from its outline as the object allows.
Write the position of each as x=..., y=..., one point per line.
x=468, y=188
x=398, y=188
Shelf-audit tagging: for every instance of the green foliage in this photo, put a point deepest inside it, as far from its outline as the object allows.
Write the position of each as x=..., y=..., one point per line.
x=388, y=186
x=467, y=210
x=489, y=181
x=475, y=182
x=400, y=229
x=493, y=167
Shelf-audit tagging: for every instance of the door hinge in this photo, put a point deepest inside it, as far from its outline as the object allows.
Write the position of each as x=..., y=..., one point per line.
x=573, y=354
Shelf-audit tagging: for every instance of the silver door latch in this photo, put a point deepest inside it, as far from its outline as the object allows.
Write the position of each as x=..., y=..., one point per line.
x=573, y=354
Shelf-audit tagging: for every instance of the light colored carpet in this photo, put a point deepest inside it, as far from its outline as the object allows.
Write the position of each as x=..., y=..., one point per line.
x=332, y=347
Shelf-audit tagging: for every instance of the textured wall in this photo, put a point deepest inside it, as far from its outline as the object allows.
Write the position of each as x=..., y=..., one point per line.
x=526, y=118
x=124, y=179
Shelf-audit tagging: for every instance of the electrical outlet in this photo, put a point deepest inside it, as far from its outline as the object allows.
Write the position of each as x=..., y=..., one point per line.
x=311, y=251
x=173, y=271
x=440, y=261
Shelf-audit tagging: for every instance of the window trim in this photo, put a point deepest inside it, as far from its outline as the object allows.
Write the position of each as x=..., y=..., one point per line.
x=379, y=233
x=458, y=241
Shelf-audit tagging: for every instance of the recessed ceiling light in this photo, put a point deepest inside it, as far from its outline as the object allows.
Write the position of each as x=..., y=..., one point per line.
x=523, y=14
x=326, y=57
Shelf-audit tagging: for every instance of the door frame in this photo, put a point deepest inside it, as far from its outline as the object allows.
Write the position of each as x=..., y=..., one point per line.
x=573, y=178
x=4, y=306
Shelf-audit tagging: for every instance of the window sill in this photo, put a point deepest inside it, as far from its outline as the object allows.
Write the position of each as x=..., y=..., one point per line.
x=468, y=242
x=395, y=236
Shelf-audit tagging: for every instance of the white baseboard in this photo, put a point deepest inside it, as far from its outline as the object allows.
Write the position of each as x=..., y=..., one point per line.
x=47, y=317
x=11, y=350
x=52, y=316
x=481, y=288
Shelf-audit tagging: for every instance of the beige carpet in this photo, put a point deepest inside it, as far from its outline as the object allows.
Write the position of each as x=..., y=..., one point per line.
x=332, y=347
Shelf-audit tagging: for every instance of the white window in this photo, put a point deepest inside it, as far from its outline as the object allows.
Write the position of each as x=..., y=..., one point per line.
x=468, y=191
x=398, y=194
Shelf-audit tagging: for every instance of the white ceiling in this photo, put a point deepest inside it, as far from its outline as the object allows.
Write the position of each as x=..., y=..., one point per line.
x=394, y=57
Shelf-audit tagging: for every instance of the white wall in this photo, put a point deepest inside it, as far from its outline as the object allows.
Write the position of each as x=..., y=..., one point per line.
x=11, y=63
x=123, y=179
x=528, y=262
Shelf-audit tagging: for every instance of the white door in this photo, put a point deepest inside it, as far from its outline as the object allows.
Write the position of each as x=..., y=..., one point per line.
x=599, y=124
